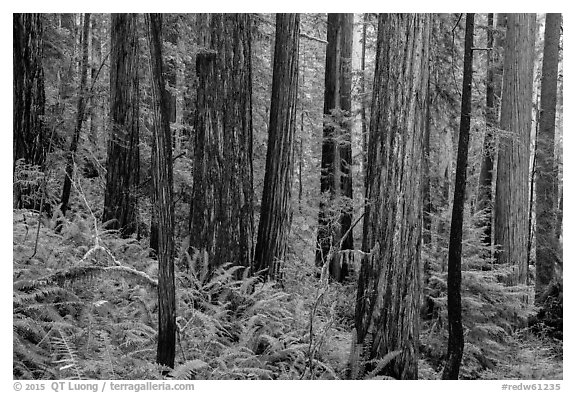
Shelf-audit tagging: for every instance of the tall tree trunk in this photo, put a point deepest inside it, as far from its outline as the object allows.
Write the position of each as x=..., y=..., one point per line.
x=455, y=331
x=274, y=223
x=96, y=58
x=340, y=270
x=335, y=215
x=29, y=139
x=428, y=207
x=388, y=300
x=170, y=65
x=547, y=247
x=221, y=212
x=171, y=37
x=123, y=162
x=493, y=93
x=363, y=101
x=163, y=199
x=71, y=156
x=511, y=201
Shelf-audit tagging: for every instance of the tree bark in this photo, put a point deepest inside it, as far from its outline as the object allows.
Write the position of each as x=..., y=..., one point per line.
x=81, y=108
x=171, y=37
x=221, y=210
x=547, y=247
x=455, y=330
x=29, y=139
x=388, y=299
x=428, y=207
x=163, y=198
x=274, y=224
x=335, y=215
x=511, y=201
x=363, y=104
x=123, y=162
x=493, y=93
x=95, y=59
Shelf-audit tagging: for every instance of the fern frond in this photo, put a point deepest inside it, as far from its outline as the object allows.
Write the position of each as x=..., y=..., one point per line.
x=188, y=370
x=381, y=363
x=67, y=353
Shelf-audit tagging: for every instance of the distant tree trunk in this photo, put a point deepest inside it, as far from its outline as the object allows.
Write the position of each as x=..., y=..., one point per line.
x=335, y=215
x=547, y=247
x=275, y=211
x=363, y=104
x=221, y=211
x=493, y=93
x=66, y=88
x=153, y=231
x=163, y=200
x=455, y=330
x=388, y=300
x=96, y=56
x=29, y=139
x=82, y=91
x=123, y=162
x=339, y=270
x=559, y=217
x=511, y=202
x=171, y=37
x=428, y=207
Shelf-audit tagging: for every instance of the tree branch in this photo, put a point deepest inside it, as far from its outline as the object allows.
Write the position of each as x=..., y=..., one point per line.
x=312, y=38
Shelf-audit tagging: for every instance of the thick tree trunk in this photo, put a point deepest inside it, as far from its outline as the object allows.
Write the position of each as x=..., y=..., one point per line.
x=547, y=247
x=388, y=299
x=511, y=201
x=123, y=163
x=274, y=223
x=162, y=184
x=81, y=108
x=455, y=330
x=29, y=139
x=221, y=211
x=335, y=215
x=493, y=93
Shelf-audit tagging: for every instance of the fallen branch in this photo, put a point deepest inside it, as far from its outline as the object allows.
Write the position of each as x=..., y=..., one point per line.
x=312, y=38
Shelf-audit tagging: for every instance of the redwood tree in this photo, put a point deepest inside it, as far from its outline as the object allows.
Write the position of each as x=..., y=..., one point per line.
x=163, y=196
x=511, y=200
x=29, y=139
x=388, y=300
x=547, y=247
x=455, y=330
x=221, y=207
x=493, y=93
x=275, y=211
x=80, y=110
x=335, y=215
x=123, y=163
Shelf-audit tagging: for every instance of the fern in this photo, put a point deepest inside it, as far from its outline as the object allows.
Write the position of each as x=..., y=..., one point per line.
x=382, y=363
x=66, y=354
x=188, y=370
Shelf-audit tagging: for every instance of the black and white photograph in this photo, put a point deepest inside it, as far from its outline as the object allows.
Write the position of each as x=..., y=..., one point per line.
x=287, y=196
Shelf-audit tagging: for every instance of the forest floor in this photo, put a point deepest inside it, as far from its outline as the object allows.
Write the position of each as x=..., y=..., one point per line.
x=531, y=357
x=527, y=357
x=521, y=355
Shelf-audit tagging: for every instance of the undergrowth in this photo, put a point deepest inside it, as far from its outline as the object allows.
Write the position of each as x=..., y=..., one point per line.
x=85, y=307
